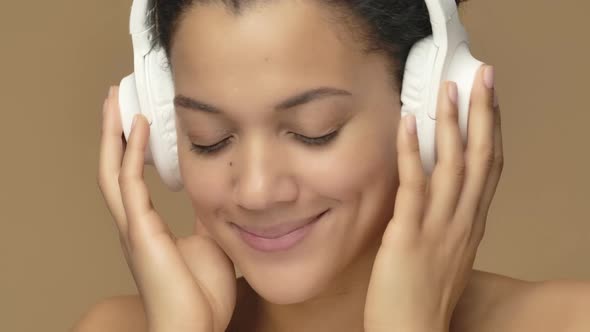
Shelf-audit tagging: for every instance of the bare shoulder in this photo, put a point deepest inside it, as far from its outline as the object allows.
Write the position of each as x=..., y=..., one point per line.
x=114, y=314
x=125, y=313
x=494, y=302
x=491, y=302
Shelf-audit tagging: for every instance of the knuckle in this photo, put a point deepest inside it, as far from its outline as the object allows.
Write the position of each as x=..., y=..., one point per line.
x=464, y=232
x=456, y=167
x=485, y=155
x=488, y=161
x=412, y=187
x=124, y=178
x=416, y=185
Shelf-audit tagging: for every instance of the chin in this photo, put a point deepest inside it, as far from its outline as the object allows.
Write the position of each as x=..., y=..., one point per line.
x=294, y=275
x=310, y=269
x=287, y=285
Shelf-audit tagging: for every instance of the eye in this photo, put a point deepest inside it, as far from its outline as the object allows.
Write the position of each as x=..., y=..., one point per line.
x=209, y=149
x=316, y=141
x=313, y=141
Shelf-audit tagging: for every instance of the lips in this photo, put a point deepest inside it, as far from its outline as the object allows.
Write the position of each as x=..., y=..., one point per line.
x=273, y=232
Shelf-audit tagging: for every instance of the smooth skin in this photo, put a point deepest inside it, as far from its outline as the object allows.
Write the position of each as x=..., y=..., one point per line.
x=489, y=303
x=204, y=292
x=203, y=296
x=189, y=284
x=428, y=249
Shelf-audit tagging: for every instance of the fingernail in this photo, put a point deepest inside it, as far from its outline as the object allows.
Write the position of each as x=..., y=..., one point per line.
x=410, y=124
x=452, y=92
x=110, y=91
x=488, y=77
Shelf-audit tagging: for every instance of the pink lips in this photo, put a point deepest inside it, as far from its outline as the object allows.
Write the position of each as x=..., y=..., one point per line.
x=277, y=238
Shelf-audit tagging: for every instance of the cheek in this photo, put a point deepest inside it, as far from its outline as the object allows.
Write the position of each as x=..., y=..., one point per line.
x=203, y=184
x=202, y=180
x=357, y=160
x=361, y=156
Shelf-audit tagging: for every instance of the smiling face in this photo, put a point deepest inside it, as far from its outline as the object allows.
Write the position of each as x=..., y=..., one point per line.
x=242, y=73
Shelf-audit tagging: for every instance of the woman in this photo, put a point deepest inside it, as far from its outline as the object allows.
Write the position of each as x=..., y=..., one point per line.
x=320, y=201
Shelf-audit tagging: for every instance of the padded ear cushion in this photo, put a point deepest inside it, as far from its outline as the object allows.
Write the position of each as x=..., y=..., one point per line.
x=128, y=107
x=150, y=91
x=416, y=90
x=163, y=139
x=415, y=94
x=419, y=65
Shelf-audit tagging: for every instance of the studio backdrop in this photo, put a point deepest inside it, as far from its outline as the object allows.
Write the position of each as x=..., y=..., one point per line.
x=59, y=248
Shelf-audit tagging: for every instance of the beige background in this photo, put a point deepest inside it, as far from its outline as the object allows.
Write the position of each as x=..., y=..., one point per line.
x=59, y=248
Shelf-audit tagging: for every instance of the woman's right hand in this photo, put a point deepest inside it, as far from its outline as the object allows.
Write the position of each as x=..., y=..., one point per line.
x=185, y=284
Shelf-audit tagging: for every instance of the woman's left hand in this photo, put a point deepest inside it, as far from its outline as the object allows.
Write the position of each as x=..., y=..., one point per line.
x=429, y=246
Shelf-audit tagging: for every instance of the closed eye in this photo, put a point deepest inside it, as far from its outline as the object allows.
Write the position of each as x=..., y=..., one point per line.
x=311, y=141
x=322, y=140
x=209, y=149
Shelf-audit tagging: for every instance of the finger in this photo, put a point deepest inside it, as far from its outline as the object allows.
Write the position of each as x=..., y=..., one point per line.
x=410, y=197
x=143, y=220
x=153, y=254
x=110, y=158
x=479, y=151
x=495, y=174
x=449, y=172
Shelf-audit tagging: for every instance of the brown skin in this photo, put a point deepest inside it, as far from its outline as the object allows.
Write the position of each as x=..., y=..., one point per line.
x=271, y=178
x=255, y=188
x=264, y=176
x=490, y=303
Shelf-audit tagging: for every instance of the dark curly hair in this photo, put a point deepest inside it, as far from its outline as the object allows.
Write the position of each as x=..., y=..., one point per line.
x=389, y=26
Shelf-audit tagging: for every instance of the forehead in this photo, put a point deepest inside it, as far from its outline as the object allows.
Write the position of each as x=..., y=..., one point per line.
x=293, y=37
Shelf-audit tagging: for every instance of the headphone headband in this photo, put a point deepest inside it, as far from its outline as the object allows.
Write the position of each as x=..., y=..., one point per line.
x=138, y=27
x=447, y=34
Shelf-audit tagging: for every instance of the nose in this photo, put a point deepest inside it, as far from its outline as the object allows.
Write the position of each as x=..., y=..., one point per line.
x=262, y=177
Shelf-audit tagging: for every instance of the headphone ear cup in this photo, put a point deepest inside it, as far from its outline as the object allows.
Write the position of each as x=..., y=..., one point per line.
x=163, y=137
x=150, y=91
x=128, y=108
x=415, y=94
x=418, y=65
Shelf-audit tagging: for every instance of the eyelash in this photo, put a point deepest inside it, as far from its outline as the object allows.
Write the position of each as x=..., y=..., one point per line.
x=311, y=141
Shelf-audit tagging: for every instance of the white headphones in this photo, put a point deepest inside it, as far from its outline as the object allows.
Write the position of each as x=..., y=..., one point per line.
x=442, y=56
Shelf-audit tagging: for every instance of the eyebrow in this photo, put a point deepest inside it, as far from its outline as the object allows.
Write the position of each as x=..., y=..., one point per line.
x=289, y=103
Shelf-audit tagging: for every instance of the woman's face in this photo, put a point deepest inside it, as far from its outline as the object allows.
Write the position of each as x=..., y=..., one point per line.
x=265, y=173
